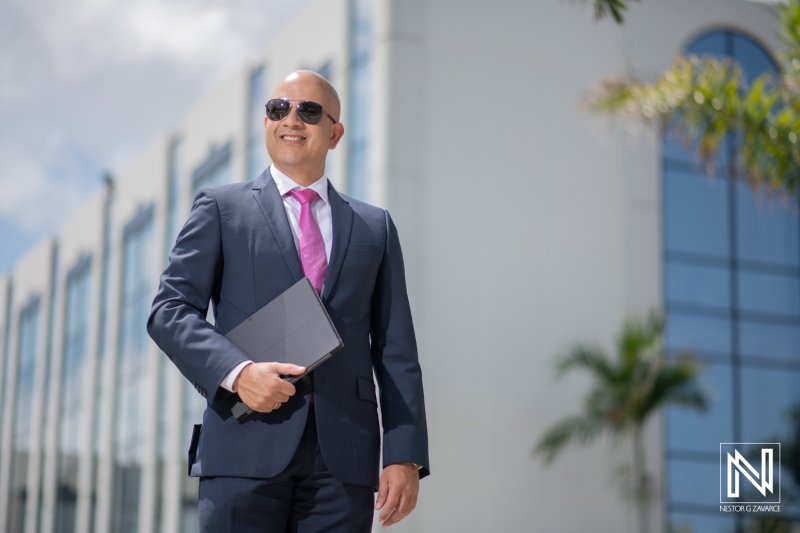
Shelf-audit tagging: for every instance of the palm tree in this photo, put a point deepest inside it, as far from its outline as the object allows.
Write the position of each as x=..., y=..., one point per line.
x=708, y=99
x=625, y=394
x=614, y=8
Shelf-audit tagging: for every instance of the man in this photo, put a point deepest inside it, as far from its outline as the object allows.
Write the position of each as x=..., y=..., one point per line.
x=308, y=459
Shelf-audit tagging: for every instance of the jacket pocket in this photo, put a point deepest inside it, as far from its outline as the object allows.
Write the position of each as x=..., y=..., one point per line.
x=362, y=248
x=366, y=389
x=193, y=446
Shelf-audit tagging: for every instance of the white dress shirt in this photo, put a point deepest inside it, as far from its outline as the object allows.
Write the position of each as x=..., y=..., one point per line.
x=321, y=210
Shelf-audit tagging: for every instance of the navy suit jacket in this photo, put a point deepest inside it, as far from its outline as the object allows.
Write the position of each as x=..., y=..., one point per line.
x=237, y=251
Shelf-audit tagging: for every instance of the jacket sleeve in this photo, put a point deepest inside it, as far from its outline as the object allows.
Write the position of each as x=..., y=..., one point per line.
x=177, y=321
x=396, y=364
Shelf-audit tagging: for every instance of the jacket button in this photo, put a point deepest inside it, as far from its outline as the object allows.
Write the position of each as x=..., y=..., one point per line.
x=306, y=380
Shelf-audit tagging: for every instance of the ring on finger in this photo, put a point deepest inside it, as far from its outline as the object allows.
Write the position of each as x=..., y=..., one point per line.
x=277, y=404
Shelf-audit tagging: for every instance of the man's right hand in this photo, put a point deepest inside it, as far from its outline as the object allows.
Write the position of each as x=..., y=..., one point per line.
x=261, y=387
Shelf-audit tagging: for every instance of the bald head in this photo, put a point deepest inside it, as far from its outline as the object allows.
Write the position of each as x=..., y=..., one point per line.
x=299, y=148
x=308, y=82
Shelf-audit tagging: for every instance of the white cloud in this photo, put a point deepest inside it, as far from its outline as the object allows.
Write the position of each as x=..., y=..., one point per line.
x=31, y=198
x=86, y=84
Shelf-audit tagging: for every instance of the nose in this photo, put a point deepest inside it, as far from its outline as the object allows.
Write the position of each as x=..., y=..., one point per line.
x=293, y=119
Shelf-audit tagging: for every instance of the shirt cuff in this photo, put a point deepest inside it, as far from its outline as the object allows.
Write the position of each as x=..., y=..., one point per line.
x=230, y=379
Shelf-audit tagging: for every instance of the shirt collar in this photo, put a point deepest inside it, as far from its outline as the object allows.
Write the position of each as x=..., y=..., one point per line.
x=286, y=184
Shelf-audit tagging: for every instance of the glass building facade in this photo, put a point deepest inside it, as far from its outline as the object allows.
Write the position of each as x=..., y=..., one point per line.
x=73, y=419
x=216, y=170
x=732, y=298
x=21, y=445
x=256, y=100
x=358, y=83
x=132, y=372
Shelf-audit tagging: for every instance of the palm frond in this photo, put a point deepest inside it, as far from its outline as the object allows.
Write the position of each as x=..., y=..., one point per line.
x=640, y=338
x=612, y=8
x=579, y=429
x=586, y=357
x=675, y=383
x=708, y=99
x=627, y=390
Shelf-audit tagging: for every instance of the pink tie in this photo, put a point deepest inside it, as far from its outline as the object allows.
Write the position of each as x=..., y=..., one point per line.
x=312, y=247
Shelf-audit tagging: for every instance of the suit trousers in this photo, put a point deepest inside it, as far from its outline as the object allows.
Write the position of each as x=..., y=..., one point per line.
x=304, y=498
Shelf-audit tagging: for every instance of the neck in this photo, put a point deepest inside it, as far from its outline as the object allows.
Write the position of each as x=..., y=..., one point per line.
x=301, y=176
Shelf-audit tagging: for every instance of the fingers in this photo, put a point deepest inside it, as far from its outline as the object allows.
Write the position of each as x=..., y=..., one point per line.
x=288, y=369
x=397, y=492
x=392, y=498
x=402, y=510
x=280, y=397
x=260, y=385
x=383, y=490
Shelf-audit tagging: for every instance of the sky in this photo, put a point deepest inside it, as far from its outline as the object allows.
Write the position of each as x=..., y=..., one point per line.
x=85, y=85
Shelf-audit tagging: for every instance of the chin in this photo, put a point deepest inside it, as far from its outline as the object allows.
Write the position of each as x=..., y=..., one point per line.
x=288, y=159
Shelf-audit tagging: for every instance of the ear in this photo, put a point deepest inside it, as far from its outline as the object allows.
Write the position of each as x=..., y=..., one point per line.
x=337, y=132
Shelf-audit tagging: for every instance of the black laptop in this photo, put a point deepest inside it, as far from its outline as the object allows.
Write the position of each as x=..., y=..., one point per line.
x=293, y=328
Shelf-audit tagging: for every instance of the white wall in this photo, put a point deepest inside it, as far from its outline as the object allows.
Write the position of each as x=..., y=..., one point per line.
x=527, y=225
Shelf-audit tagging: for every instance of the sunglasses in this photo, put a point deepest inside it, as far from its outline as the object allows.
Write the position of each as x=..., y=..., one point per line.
x=309, y=112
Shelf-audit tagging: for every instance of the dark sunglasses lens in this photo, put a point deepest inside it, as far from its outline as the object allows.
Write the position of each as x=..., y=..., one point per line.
x=310, y=112
x=278, y=109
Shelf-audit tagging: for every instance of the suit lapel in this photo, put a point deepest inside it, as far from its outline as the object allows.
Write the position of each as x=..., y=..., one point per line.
x=342, y=220
x=269, y=199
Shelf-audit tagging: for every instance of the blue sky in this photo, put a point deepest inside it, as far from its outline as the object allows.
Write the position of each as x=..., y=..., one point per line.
x=86, y=84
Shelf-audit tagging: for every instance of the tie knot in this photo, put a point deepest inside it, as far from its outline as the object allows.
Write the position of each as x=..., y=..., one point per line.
x=306, y=196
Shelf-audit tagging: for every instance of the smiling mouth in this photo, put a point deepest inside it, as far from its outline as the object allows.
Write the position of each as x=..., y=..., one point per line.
x=292, y=138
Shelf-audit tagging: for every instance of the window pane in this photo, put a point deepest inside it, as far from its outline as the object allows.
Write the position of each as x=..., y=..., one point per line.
x=681, y=151
x=693, y=482
x=698, y=333
x=767, y=396
x=697, y=284
x=704, y=430
x=21, y=432
x=131, y=392
x=698, y=523
x=72, y=417
x=256, y=149
x=173, y=194
x=767, y=228
x=359, y=80
x=769, y=293
x=216, y=170
x=710, y=44
x=696, y=214
x=772, y=521
x=256, y=99
x=751, y=57
x=778, y=341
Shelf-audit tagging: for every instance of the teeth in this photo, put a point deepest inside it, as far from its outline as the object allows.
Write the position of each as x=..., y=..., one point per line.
x=291, y=138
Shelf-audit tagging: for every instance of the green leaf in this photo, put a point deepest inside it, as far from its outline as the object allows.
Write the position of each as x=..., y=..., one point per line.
x=626, y=390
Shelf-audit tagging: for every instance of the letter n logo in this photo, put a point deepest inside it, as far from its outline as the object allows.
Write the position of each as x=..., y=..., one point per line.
x=737, y=468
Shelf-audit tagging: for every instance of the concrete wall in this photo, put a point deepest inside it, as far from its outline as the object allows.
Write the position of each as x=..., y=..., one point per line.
x=527, y=225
